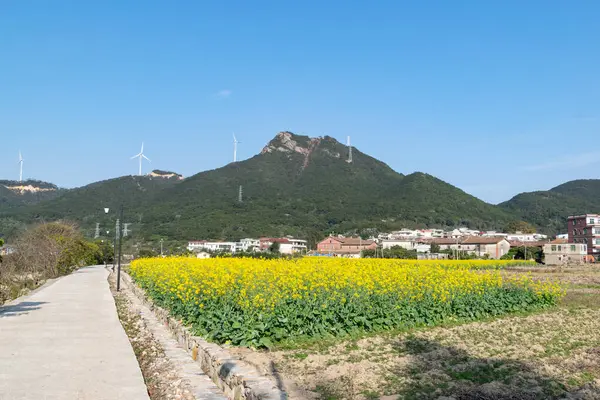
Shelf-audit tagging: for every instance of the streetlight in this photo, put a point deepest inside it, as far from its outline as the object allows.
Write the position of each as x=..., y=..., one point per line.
x=106, y=210
x=119, y=235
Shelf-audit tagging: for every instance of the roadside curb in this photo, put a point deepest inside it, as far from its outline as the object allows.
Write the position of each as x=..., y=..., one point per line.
x=235, y=378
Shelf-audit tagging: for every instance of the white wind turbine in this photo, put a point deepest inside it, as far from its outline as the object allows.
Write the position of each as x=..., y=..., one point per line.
x=235, y=143
x=20, y=167
x=141, y=156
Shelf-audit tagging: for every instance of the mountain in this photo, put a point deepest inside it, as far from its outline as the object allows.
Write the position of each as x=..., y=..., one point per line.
x=305, y=187
x=297, y=185
x=17, y=194
x=86, y=204
x=549, y=209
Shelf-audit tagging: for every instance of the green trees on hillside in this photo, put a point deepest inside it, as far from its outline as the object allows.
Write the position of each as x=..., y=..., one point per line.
x=519, y=226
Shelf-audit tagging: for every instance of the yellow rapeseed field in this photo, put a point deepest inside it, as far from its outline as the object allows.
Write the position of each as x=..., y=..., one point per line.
x=255, y=302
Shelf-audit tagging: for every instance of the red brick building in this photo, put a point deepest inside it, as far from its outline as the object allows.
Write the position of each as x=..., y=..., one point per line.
x=585, y=229
x=344, y=246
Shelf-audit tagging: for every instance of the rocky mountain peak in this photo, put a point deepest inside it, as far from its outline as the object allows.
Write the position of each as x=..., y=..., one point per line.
x=287, y=142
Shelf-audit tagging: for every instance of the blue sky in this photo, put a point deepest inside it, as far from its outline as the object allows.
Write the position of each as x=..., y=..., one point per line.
x=495, y=97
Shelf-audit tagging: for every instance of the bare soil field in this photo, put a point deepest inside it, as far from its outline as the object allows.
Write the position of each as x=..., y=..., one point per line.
x=549, y=355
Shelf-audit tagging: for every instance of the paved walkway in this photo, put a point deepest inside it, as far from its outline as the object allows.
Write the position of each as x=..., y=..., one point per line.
x=65, y=341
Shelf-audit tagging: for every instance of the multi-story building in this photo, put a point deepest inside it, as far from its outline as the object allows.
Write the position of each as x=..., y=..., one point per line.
x=287, y=245
x=199, y=245
x=493, y=247
x=249, y=244
x=559, y=252
x=585, y=229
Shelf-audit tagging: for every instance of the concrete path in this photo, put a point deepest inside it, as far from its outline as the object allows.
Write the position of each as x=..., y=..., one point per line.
x=65, y=341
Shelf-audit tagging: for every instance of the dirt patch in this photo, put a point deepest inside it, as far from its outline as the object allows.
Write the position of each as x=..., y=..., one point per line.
x=554, y=354
x=160, y=376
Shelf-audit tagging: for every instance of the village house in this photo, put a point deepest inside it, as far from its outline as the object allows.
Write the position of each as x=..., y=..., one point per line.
x=561, y=252
x=287, y=245
x=347, y=247
x=492, y=247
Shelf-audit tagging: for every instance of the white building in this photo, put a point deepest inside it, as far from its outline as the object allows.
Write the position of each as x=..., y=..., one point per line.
x=249, y=244
x=293, y=246
x=525, y=237
x=196, y=245
x=408, y=244
x=228, y=247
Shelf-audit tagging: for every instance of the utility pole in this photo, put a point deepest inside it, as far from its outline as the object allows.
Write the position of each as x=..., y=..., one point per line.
x=117, y=230
x=97, y=233
x=161, y=247
x=240, y=194
x=126, y=229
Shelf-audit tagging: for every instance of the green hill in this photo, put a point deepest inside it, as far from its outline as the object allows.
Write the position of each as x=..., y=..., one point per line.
x=86, y=204
x=305, y=186
x=549, y=209
x=296, y=186
x=17, y=194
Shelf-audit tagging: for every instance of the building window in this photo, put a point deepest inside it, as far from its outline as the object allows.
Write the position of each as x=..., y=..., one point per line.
x=573, y=247
x=559, y=248
x=553, y=247
x=574, y=222
x=592, y=221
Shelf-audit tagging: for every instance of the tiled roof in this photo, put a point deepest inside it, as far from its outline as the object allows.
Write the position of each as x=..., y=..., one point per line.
x=559, y=241
x=355, y=241
x=482, y=240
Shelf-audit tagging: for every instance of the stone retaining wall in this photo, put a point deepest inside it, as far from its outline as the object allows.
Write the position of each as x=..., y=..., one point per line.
x=234, y=377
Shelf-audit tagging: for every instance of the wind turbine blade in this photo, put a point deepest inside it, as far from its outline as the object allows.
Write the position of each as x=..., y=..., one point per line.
x=142, y=148
x=146, y=158
x=136, y=156
x=234, y=138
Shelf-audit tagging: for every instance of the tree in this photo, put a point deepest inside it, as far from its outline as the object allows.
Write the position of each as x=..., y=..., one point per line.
x=1, y=244
x=435, y=248
x=393, y=252
x=519, y=226
x=274, y=247
x=105, y=252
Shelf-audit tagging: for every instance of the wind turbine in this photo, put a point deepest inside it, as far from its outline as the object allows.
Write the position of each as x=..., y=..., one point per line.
x=141, y=156
x=20, y=167
x=235, y=143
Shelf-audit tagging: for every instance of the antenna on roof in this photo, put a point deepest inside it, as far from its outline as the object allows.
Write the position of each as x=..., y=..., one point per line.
x=349, y=160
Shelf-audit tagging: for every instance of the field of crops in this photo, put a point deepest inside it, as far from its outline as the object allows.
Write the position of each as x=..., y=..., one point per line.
x=258, y=302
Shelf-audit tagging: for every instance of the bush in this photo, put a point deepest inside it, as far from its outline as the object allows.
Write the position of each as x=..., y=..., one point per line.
x=45, y=251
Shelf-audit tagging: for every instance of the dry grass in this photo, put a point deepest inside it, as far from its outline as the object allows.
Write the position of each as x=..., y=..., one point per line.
x=160, y=375
x=555, y=354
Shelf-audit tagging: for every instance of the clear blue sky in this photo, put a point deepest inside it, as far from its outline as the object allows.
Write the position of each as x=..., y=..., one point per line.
x=495, y=97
